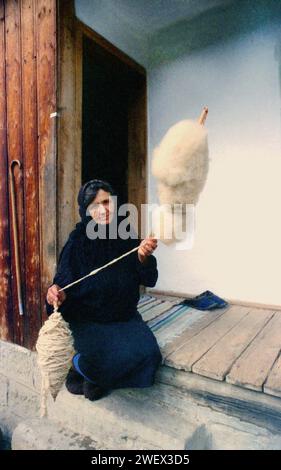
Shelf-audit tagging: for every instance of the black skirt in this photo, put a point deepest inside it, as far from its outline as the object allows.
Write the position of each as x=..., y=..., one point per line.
x=116, y=354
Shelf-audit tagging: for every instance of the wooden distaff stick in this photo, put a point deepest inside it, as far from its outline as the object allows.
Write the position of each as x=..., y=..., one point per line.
x=203, y=116
x=95, y=271
x=201, y=120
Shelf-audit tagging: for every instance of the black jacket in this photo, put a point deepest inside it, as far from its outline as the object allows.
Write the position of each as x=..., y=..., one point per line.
x=113, y=293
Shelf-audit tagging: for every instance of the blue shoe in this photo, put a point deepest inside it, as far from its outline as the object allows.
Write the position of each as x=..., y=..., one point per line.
x=221, y=303
x=206, y=301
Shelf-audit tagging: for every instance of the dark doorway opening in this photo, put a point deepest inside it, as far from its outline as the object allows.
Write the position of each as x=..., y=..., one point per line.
x=102, y=132
x=108, y=90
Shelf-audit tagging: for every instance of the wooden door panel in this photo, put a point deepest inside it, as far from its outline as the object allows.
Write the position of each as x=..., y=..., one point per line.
x=14, y=146
x=6, y=323
x=28, y=97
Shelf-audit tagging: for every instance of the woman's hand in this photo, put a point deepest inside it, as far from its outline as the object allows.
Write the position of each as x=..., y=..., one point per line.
x=146, y=248
x=54, y=296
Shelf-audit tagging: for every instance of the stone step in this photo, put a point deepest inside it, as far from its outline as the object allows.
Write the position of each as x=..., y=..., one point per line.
x=159, y=417
x=44, y=434
x=129, y=418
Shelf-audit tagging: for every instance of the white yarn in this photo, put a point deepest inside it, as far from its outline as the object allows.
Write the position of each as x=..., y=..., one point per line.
x=180, y=165
x=55, y=351
x=166, y=224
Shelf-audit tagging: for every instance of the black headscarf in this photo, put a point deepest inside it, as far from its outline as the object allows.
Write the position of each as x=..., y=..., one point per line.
x=91, y=253
x=88, y=193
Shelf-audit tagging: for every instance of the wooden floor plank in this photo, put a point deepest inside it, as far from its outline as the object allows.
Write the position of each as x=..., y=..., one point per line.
x=243, y=340
x=273, y=384
x=198, y=345
x=253, y=366
x=217, y=362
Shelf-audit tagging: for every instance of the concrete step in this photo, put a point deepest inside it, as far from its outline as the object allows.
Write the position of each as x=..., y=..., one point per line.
x=126, y=419
x=158, y=417
x=44, y=434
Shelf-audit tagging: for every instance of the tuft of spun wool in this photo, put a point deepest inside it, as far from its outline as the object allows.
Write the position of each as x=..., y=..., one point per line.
x=167, y=224
x=180, y=165
x=55, y=351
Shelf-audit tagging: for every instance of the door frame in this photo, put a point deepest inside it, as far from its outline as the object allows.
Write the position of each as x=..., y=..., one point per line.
x=70, y=56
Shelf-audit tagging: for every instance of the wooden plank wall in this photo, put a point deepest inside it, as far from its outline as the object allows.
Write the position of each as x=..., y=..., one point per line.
x=6, y=324
x=27, y=98
x=70, y=121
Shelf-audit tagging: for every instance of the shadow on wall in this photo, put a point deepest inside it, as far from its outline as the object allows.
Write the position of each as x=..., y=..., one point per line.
x=217, y=25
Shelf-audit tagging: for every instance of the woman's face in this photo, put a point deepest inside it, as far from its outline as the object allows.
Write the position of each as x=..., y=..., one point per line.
x=101, y=208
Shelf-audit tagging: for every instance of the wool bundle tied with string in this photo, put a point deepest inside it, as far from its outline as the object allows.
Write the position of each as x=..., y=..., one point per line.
x=180, y=166
x=55, y=351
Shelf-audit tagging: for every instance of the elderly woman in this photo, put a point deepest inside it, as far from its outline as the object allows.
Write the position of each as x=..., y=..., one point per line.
x=115, y=348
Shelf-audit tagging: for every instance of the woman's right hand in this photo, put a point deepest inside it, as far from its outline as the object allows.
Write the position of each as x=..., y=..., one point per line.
x=54, y=296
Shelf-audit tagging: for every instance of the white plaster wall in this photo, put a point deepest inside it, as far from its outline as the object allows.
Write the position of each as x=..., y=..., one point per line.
x=107, y=19
x=237, y=251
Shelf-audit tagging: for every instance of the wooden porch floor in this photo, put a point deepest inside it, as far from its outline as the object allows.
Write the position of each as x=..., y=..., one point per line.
x=237, y=345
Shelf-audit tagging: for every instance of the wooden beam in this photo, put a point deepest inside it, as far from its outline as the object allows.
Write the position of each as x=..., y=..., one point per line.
x=32, y=317
x=137, y=147
x=47, y=136
x=70, y=120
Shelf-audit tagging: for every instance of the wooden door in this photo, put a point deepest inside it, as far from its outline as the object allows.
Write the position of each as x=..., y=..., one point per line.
x=27, y=100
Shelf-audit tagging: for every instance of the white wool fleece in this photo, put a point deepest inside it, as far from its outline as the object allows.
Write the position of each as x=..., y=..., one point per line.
x=180, y=163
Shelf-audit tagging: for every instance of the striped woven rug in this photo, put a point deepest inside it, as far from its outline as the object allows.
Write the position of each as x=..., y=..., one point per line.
x=166, y=318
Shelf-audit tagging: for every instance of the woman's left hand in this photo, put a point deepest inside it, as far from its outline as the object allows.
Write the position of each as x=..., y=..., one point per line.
x=146, y=248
